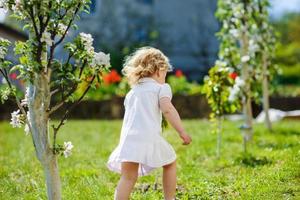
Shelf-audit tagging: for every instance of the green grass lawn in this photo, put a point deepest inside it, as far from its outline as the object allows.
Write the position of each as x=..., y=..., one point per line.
x=271, y=171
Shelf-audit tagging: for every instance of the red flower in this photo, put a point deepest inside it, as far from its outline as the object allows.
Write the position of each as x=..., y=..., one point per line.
x=115, y=77
x=13, y=76
x=179, y=73
x=233, y=75
x=112, y=77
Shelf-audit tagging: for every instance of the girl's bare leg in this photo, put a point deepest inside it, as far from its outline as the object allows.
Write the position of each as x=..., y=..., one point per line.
x=169, y=181
x=129, y=174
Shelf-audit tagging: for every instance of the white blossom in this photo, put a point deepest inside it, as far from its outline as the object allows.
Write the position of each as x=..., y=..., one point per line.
x=28, y=116
x=221, y=63
x=5, y=93
x=17, y=5
x=225, y=69
x=62, y=28
x=245, y=58
x=234, y=32
x=16, y=119
x=238, y=11
x=253, y=46
x=24, y=102
x=67, y=149
x=101, y=59
x=234, y=20
x=230, y=69
x=206, y=78
x=2, y=52
x=237, y=14
x=27, y=129
x=225, y=24
x=3, y=5
x=227, y=2
x=233, y=91
x=46, y=37
x=239, y=82
x=4, y=81
x=216, y=88
x=87, y=41
x=254, y=26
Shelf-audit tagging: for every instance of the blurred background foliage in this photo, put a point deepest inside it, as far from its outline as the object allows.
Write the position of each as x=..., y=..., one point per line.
x=287, y=80
x=116, y=85
x=288, y=52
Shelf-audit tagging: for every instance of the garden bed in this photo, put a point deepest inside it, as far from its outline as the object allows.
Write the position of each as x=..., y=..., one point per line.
x=189, y=107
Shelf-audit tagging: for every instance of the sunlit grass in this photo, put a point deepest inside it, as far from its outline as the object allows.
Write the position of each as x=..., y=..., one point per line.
x=271, y=170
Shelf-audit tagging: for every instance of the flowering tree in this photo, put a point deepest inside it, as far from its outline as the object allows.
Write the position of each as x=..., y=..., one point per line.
x=245, y=54
x=47, y=78
x=265, y=53
x=238, y=50
x=217, y=89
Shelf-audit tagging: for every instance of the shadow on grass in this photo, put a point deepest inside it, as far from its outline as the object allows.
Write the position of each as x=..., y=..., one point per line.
x=277, y=146
x=150, y=187
x=249, y=160
x=287, y=131
x=181, y=191
x=289, y=193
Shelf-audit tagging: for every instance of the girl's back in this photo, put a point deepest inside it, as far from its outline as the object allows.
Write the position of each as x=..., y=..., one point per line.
x=142, y=111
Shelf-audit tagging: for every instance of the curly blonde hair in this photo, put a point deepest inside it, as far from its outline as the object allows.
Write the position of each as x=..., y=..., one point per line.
x=144, y=62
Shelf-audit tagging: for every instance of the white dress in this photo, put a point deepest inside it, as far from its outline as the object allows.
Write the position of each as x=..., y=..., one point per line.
x=141, y=140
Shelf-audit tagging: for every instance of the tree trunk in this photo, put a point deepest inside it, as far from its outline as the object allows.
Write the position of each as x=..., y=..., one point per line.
x=249, y=116
x=219, y=136
x=38, y=103
x=247, y=129
x=265, y=89
x=52, y=178
x=247, y=107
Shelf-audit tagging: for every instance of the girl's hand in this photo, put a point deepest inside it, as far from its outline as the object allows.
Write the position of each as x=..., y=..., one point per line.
x=186, y=138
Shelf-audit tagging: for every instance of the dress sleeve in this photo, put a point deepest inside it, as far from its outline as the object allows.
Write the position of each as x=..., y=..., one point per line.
x=165, y=91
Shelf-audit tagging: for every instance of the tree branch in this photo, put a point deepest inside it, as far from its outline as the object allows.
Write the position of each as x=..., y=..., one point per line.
x=54, y=92
x=52, y=48
x=63, y=101
x=5, y=75
x=31, y=15
x=68, y=110
x=66, y=11
x=69, y=25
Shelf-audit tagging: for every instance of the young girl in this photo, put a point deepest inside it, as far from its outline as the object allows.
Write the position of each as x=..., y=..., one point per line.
x=141, y=147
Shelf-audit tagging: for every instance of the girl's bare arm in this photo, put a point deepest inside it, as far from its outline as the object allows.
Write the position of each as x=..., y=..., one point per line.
x=171, y=114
